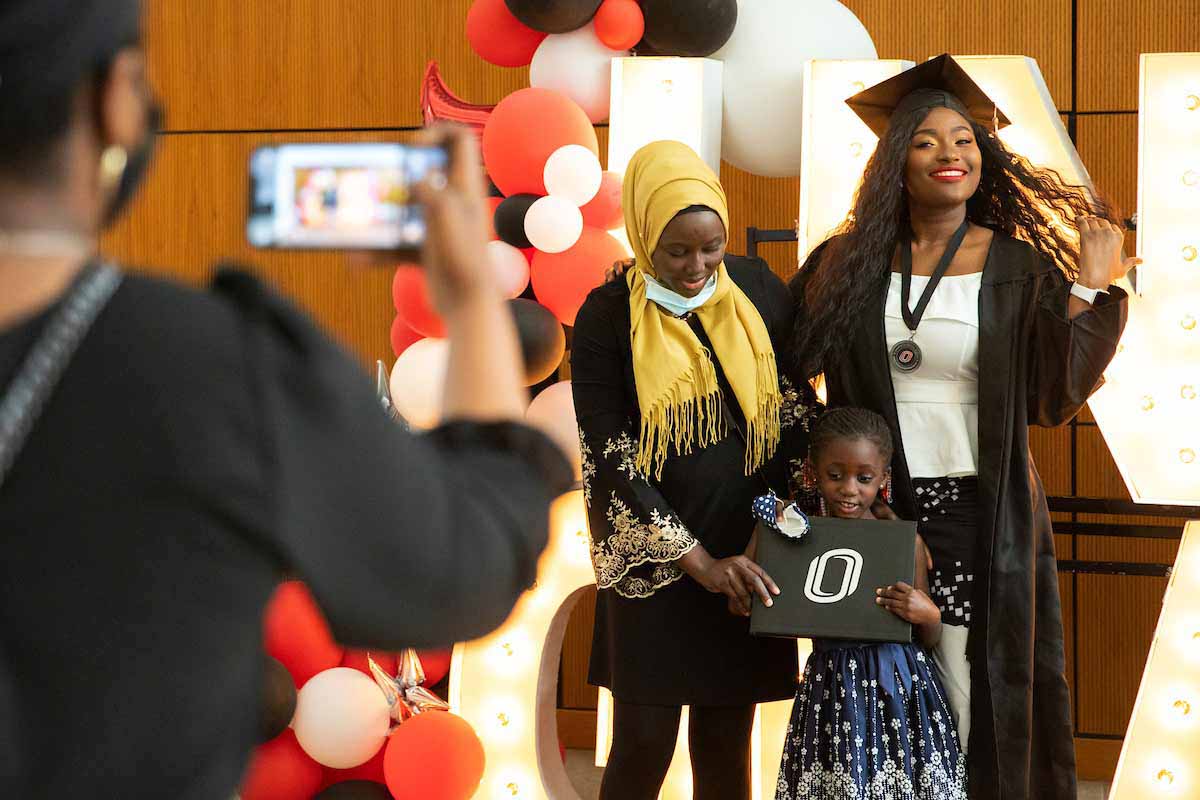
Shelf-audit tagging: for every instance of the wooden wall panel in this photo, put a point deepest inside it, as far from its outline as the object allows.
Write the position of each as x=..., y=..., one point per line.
x=1108, y=145
x=1112, y=34
x=1040, y=29
x=762, y=203
x=1051, y=450
x=1117, y=614
x=312, y=64
x=192, y=213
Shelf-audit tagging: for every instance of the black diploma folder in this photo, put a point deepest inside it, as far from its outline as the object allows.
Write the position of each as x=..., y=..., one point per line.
x=828, y=580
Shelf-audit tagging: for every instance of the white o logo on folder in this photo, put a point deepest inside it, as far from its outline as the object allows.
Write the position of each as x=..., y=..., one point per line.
x=816, y=575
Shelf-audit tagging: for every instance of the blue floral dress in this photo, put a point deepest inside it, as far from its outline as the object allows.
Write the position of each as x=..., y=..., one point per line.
x=871, y=722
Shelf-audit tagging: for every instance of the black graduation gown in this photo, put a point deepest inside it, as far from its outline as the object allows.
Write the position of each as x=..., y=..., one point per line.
x=1036, y=367
x=660, y=638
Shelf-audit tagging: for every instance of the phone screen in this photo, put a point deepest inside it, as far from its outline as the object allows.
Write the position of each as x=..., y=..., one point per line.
x=339, y=196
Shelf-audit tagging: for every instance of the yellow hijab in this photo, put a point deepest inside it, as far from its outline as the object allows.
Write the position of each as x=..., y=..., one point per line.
x=677, y=388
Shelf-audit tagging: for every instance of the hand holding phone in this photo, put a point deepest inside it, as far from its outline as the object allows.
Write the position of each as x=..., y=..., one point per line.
x=353, y=196
x=455, y=250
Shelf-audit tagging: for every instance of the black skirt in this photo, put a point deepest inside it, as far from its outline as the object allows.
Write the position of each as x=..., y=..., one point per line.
x=681, y=645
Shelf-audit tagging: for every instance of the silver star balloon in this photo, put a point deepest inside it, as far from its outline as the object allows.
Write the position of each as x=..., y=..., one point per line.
x=406, y=694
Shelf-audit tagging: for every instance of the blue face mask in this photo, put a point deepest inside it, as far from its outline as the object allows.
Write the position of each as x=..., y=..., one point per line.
x=674, y=303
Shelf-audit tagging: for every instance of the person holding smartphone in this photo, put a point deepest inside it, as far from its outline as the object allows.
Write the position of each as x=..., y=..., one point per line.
x=167, y=454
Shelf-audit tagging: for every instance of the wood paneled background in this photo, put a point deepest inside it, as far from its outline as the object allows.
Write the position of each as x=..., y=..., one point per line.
x=234, y=74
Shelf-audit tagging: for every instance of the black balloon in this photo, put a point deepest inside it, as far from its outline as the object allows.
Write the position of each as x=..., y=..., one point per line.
x=694, y=28
x=510, y=219
x=542, y=339
x=278, y=700
x=355, y=790
x=554, y=16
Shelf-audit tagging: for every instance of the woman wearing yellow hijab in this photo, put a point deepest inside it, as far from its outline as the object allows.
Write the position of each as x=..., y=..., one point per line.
x=683, y=419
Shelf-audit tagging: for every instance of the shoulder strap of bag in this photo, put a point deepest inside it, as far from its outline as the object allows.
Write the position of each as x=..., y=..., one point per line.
x=22, y=403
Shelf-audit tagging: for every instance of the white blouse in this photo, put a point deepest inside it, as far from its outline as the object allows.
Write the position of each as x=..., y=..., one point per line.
x=938, y=403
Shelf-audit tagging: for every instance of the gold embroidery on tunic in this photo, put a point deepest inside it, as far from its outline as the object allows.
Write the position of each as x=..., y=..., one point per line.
x=633, y=543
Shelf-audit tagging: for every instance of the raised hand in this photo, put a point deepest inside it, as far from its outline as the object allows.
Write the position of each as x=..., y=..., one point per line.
x=1101, y=261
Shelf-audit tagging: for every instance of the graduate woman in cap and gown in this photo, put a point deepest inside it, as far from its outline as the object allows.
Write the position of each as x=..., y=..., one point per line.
x=682, y=412
x=955, y=303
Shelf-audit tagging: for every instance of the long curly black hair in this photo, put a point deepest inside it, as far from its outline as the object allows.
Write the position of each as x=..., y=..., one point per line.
x=1015, y=198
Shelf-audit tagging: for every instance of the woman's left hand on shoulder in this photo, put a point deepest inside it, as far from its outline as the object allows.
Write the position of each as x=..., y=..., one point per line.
x=910, y=604
x=1101, y=262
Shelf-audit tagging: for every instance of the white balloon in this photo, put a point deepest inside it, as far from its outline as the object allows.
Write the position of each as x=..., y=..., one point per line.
x=573, y=173
x=764, y=66
x=510, y=267
x=342, y=718
x=553, y=413
x=553, y=224
x=417, y=380
x=578, y=65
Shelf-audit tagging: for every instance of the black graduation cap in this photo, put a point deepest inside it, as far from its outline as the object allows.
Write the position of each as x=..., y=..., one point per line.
x=938, y=83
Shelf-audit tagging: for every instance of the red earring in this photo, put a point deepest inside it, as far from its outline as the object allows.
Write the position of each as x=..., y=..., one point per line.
x=887, y=489
x=808, y=476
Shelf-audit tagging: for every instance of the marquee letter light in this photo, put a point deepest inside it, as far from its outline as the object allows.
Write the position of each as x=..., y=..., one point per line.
x=1148, y=409
x=671, y=98
x=1159, y=755
x=506, y=684
x=834, y=143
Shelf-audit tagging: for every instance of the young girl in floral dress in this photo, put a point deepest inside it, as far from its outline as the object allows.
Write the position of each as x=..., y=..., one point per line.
x=871, y=720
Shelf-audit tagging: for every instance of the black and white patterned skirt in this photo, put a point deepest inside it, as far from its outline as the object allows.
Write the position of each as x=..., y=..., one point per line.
x=948, y=520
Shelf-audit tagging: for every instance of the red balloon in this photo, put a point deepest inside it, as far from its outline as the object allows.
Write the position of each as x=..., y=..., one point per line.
x=281, y=770
x=436, y=664
x=439, y=104
x=403, y=337
x=498, y=37
x=357, y=659
x=433, y=756
x=296, y=633
x=620, y=24
x=604, y=210
x=370, y=771
x=562, y=281
x=493, y=203
x=411, y=296
x=522, y=133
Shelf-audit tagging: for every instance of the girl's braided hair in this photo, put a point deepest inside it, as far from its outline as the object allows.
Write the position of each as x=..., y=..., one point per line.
x=850, y=423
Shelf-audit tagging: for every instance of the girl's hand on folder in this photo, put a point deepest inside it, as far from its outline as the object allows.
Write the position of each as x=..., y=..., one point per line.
x=909, y=604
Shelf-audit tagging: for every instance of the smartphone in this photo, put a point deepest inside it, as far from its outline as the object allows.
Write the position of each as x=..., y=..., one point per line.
x=339, y=196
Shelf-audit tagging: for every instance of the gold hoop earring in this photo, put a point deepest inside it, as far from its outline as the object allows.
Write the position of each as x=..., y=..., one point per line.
x=112, y=165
